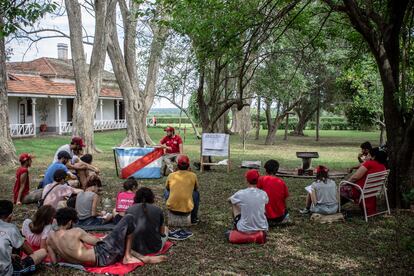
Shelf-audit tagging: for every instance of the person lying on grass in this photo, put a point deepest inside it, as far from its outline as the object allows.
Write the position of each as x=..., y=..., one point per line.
x=125, y=199
x=150, y=233
x=10, y=240
x=248, y=206
x=277, y=192
x=22, y=185
x=322, y=196
x=70, y=244
x=363, y=155
x=56, y=193
x=37, y=230
x=87, y=203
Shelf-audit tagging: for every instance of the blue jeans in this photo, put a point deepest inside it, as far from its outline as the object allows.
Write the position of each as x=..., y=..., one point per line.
x=196, y=200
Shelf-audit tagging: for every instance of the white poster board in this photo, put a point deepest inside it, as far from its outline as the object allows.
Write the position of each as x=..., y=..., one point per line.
x=215, y=144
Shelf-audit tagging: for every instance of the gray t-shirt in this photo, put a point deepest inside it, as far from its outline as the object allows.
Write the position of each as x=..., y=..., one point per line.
x=83, y=205
x=10, y=238
x=63, y=148
x=147, y=236
x=325, y=192
x=252, y=203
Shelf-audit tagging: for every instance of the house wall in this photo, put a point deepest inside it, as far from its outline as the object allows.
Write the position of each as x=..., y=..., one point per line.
x=108, y=110
x=13, y=111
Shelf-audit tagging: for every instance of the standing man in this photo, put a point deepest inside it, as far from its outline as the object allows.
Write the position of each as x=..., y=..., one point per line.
x=173, y=146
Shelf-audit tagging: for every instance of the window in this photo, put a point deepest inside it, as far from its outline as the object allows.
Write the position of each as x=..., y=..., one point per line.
x=69, y=109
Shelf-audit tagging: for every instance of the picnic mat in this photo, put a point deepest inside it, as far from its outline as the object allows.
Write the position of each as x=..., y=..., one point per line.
x=116, y=269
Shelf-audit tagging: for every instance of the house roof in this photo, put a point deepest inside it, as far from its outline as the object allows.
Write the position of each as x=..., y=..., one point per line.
x=39, y=85
x=50, y=67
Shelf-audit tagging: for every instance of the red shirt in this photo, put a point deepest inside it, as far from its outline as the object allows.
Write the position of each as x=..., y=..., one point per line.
x=373, y=167
x=173, y=142
x=17, y=184
x=277, y=191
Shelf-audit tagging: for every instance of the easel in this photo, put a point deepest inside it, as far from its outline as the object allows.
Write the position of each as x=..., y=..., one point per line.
x=202, y=163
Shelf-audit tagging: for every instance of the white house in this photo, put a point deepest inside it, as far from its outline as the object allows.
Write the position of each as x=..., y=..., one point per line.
x=41, y=92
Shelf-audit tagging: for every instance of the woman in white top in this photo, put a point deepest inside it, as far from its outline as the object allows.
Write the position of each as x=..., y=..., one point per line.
x=37, y=230
x=322, y=196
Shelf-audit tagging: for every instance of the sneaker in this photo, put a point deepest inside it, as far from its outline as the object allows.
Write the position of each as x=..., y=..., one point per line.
x=195, y=222
x=304, y=211
x=179, y=235
x=185, y=233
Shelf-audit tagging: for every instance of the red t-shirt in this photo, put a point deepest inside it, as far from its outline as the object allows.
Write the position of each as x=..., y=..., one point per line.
x=124, y=200
x=172, y=142
x=277, y=191
x=371, y=202
x=17, y=184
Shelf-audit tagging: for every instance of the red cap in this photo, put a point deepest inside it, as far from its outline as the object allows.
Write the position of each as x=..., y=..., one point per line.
x=252, y=176
x=183, y=160
x=321, y=168
x=169, y=128
x=78, y=141
x=25, y=156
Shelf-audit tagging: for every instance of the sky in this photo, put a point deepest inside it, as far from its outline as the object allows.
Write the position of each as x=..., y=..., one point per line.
x=48, y=47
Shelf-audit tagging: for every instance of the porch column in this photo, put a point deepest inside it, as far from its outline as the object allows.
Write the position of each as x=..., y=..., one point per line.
x=117, y=110
x=101, y=106
x=34, y=115
x=60, y=115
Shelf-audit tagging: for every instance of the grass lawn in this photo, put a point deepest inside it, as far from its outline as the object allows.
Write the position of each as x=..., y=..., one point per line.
x=353, y=247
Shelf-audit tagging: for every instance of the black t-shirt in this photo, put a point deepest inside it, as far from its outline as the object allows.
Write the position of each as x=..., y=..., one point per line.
x=147, y=236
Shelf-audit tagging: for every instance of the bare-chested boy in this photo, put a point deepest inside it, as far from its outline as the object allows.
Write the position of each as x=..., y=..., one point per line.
x=68, y=243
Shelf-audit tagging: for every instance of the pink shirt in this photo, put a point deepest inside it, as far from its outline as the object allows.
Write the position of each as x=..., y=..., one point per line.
x=124, y=200
x=58, y=193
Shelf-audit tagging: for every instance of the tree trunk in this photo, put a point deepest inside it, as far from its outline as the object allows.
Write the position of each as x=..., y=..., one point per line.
x=7, y=150
x=241, y=120
x=138, y=103
x=258, y=119
x=88, y=79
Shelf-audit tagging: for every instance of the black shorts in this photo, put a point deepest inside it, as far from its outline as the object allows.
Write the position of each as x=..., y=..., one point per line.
x=23, y=266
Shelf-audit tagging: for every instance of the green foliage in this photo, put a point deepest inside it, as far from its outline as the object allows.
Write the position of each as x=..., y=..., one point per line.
x=409, y=197
x=193, y=108
x=326, y=123
x=362, y=88
x=21, y=13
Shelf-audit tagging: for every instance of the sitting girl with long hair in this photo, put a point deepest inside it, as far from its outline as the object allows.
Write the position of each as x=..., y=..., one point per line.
x=37, y=230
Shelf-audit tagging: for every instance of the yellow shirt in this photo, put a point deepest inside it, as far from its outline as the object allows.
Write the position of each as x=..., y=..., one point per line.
x=181, y=185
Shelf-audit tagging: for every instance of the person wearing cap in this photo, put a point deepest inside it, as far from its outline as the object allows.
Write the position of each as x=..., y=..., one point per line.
x=58, y=191
x=22, y=185
x=182, y=190
x=75, y=144
x=322, y=195
x=248, y=206
x=60, y=164
x=277, y=191
x=173, y=146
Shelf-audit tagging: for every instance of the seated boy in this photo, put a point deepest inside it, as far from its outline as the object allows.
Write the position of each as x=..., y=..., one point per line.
x=62, y=160
x=87, y=202
x=11, y=239
x=22, y=185
x=277, y=192
x=182, y=190
x=248, y=206
x=69, y=243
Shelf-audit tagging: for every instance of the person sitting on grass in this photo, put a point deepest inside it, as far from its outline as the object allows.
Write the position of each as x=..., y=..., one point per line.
x=56, y=193
x=248, y=206
x=60, y=164
x=181, y=192
x=376, y=161
x=363, y=155
x=125, y=199
x=87, y=203
x=150, y=233
x=37, y=230
x=22, y=185
x=322, y=195
x=11, y=239
x=82, y=164
x=277, y=192
x=69, y=243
